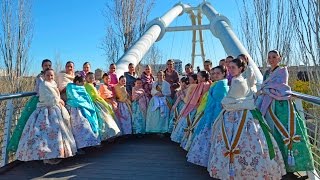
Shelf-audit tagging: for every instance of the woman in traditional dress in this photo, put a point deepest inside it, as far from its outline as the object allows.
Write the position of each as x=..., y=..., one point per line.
x=189, y=110
x=178, y=105
x=46, y=135
x=84, y=121
x=159, y=106
x=124, y=112
x=30, y=106
x=107, y=120
x=107, y=92
x=285, y=123
x=201, y=142
x=85, y=69
x=131, y=77
x=139, y=108
x=64, y=78
x=172, y=77
x=197, y=117
x=113, y=76
x=147, y=79
x=241, y=144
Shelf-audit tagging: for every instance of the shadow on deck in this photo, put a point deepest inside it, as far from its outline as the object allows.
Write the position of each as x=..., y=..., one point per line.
x=149, y=157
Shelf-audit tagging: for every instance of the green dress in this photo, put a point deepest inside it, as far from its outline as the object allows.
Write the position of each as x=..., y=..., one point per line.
x=299, y=158
x=30, y=106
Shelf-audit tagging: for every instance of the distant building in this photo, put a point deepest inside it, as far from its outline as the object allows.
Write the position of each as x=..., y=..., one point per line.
x=178, y=65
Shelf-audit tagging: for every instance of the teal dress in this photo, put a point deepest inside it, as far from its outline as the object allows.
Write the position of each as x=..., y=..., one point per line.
x=138, y=119
x=159, y=109
x=25, y=114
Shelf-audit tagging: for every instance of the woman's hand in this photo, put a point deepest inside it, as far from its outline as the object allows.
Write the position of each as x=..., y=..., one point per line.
x=61, y=102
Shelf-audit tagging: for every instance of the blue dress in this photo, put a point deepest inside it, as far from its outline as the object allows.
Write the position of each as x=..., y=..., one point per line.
x=84, y=121
x=159, y=109
x=200, y=147
x=139, y=112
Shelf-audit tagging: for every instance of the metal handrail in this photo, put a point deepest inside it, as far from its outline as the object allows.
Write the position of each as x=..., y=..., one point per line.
x=311, y=99
x=16, y=95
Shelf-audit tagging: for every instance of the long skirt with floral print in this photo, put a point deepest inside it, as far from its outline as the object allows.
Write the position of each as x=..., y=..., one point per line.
x=253, y=159
x=138, y=119
x=200, y=147
x=47, y=135
x=81, y=130
x=124, y=116
x=179, y=129
x=108, y=127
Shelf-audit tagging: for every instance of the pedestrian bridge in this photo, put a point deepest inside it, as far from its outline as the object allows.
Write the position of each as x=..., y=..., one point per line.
x=149, y=157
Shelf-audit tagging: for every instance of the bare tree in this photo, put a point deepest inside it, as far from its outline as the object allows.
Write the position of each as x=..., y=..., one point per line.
x=306, y=15
x=153, y=58
x=266, y=25
x=126, y=21
x=110, y=46
x=57, y=63
x=15, y=38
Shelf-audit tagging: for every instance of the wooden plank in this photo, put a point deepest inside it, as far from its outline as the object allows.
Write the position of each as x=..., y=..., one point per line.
x=149, y=157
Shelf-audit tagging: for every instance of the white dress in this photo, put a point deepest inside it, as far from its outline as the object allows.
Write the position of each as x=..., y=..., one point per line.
x=239, y=145
x=47, y=132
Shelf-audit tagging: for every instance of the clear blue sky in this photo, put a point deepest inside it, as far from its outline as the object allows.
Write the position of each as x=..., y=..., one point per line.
x=73, y=29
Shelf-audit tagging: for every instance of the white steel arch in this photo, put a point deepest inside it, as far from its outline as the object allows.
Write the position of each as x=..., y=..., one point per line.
x=219, y=26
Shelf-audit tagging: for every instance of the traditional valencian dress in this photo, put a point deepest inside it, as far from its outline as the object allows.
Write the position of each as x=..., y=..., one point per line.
x=188, y=137
x=108, y=127
x=139, y=110
x=124, y=112
x=84, y=121
x=107, y=93
x=286, y=125
x=159, y=108
x=63, y=80
x=183, y=127
x=29, y=108
x=114, y=79
x=47, y=134
x=241, y=144
x=176, y=108
x=191, y=107
x=147, y=83
x=178, y=126
x=201, y=143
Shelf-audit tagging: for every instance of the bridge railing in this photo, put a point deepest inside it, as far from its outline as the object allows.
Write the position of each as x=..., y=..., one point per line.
x=11, y=106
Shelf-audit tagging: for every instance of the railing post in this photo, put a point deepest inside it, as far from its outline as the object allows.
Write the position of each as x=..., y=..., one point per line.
x=312, y=175
x=300, y=109
x=6, y=133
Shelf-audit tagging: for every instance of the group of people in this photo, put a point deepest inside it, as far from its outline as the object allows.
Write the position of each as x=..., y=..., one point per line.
x=228, y=123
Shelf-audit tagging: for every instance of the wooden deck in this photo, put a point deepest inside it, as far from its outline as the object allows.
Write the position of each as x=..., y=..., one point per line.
x=150, y=157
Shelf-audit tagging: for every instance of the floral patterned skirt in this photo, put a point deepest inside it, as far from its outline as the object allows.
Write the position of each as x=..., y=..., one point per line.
x=47, y=135
x=81, y=130
x=252, y=161
x=179, y=129
x=107, y=124
x=200, y=147
x=123, y=114
x=138, y=119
